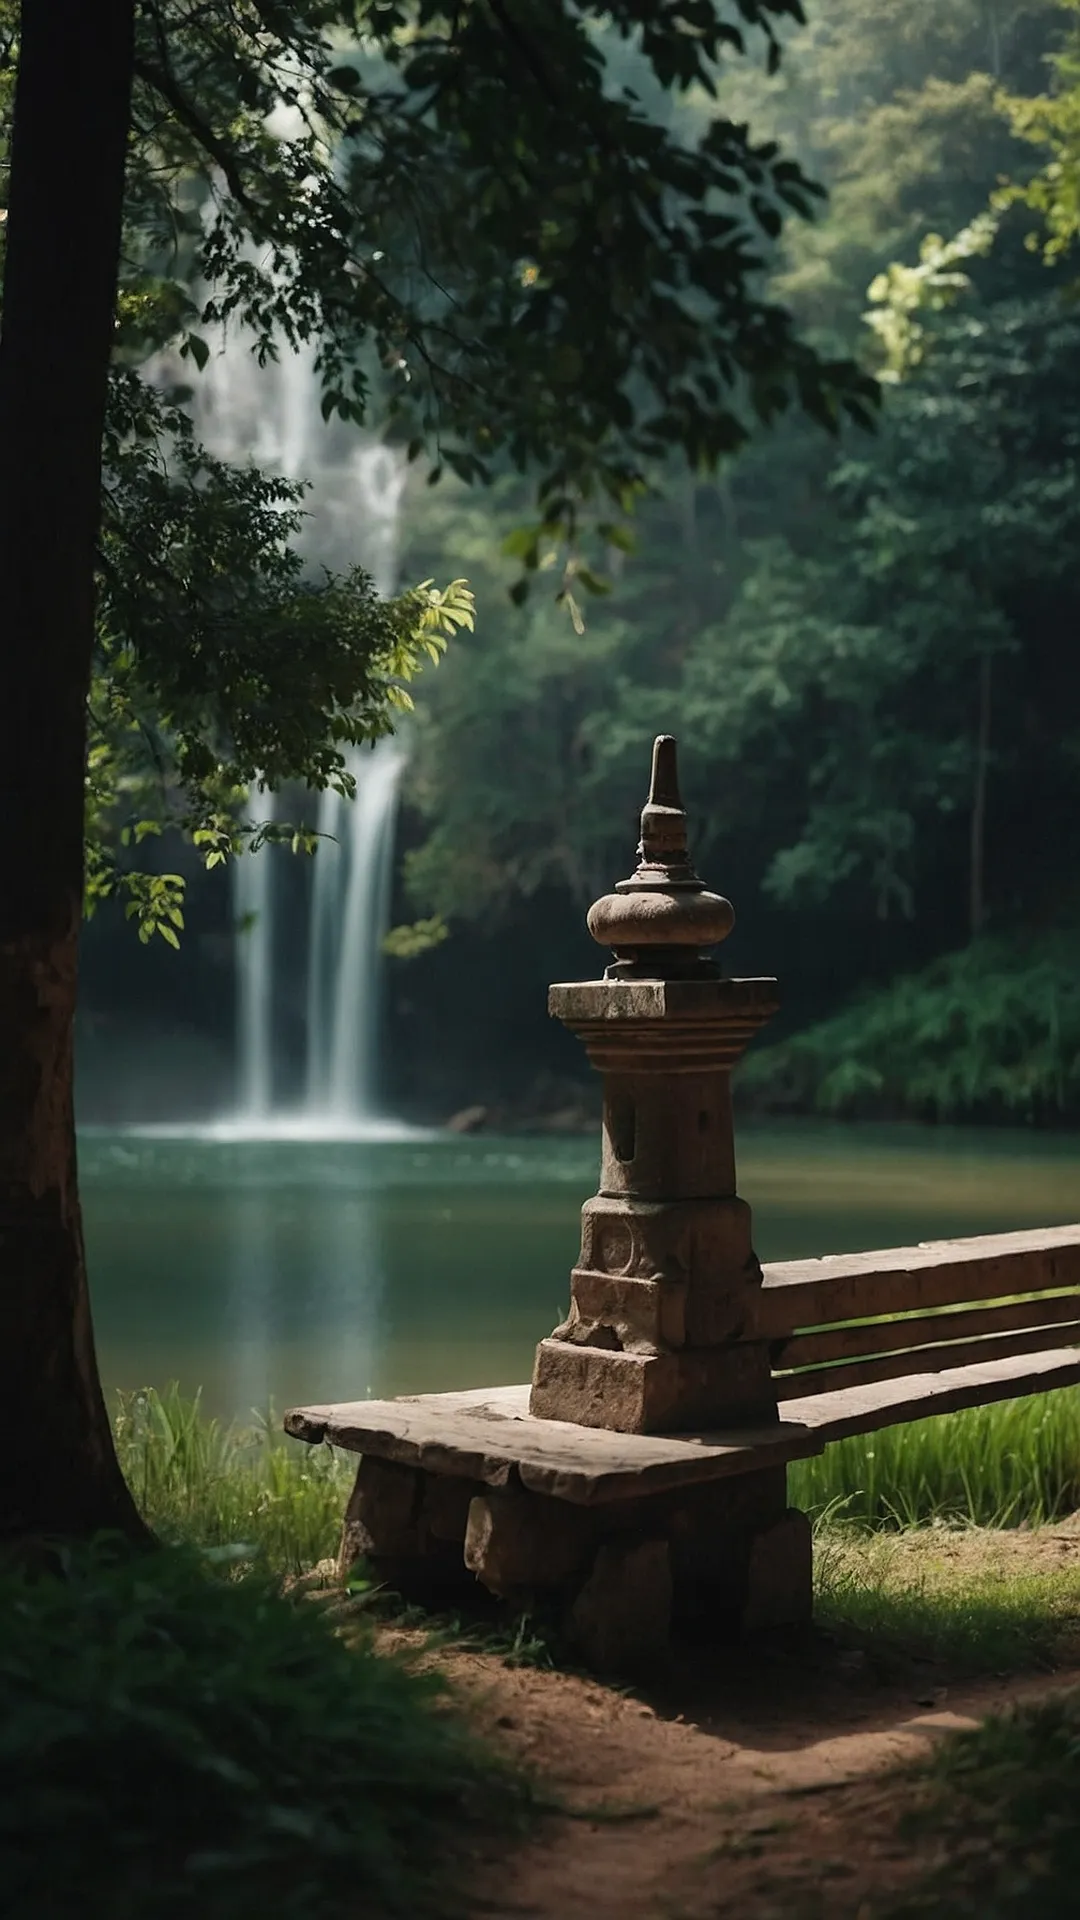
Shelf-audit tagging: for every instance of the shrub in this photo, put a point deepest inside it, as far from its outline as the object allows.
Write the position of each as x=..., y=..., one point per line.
x=991, y=1032
x=177, y=1742
x=1001, y=1800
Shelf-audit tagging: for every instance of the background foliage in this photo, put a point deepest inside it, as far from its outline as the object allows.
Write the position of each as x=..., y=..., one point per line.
x=867, y=649
x=866, y=645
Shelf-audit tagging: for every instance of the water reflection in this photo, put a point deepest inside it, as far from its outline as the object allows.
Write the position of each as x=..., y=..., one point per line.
x=319, y=1270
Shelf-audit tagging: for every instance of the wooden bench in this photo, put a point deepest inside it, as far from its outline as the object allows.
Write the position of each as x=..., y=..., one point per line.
x=626, y=1531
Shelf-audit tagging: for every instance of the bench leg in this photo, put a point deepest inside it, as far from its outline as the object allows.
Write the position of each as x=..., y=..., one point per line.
x=741, y=1558
x=780, y=1575
x=620, y=1618
x=611, y=1589
x=408, y=1528
x=715, y=1561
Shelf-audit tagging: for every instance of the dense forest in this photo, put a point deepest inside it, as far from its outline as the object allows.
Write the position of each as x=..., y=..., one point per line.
x=865, y=642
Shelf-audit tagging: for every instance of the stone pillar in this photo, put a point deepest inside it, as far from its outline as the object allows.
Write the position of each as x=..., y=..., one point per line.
x=662, y=1294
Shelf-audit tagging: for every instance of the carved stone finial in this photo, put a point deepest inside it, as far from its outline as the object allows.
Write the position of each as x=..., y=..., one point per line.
x=658, y=921
x=663, y=860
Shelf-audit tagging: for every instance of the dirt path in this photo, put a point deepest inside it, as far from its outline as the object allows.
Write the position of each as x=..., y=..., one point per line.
x=756, y=1784
x=753, y=1792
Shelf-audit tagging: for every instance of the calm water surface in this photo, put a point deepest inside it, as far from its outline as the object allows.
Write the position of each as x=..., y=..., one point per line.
x=291, y=1271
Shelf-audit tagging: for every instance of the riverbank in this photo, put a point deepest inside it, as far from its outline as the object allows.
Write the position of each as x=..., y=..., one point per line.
x=732, y=1781
x=1014, y=1466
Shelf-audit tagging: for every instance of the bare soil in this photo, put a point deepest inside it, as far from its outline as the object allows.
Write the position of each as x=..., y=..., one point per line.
x=764, y=1782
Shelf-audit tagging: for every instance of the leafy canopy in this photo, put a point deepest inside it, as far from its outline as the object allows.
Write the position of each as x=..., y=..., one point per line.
x=495, y=248
x=1050, y=120
x=820, y=624
x=503, y=256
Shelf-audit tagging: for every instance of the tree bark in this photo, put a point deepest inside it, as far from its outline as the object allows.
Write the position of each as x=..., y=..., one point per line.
x=977, y=863
x=58, y=1469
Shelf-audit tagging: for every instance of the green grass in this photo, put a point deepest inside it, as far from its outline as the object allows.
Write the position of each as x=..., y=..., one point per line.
x=999, y=1803
x=211, y=1485
x=907, y=1598
x=174, y=1741
x=250, y=1493
x=197, y=1480
x=1013, y=1464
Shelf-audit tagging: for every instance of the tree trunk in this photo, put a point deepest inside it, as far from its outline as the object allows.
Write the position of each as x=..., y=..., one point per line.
x=977, y=864
x=58, y=1470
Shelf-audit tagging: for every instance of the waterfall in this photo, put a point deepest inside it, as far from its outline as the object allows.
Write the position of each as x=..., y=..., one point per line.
x=352, y=515
x=253, y=907
x=350, y=912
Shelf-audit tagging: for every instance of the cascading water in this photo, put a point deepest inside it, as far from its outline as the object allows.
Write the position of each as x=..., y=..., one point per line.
x=253, y=907
x=349, y=916
x=271, y=415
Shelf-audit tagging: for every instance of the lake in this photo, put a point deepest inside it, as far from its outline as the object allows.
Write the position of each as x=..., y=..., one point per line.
x=277, y=1272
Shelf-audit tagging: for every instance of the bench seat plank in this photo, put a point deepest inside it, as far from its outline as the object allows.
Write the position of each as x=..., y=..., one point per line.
x=940, y=1273
x=486, y=1434
x=890, y=1403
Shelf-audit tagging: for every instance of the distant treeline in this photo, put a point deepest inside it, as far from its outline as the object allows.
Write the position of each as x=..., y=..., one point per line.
x=867, y=646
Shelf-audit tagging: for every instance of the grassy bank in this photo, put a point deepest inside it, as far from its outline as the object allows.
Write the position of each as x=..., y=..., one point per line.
x=202, y=1482
x=999, y=1804
x=1012, y=1465
x=183, y=1731
x=954, y=1600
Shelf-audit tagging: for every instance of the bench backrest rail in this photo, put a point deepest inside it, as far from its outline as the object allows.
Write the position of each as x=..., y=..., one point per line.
x=853, y=1319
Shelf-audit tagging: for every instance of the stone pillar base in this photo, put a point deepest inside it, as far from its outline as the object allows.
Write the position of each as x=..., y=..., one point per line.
x=681, y=1392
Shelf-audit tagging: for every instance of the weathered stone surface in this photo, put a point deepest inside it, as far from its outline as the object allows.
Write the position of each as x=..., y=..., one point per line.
x=663, y=1274
x=445, y=1509
x=632, y=1002
x=711, y=1531
x=408, y=1527
x=664, y=1292
x=667, y=1135
x=625, y=1031
x=660, y=919
x=653, y=1392
x=489, y=1436
x=624, y=1313
x=625, y=1235
x=519, y=1542
x=722, y=1557
x=382, y=1515
x=780, y=1576
x=621, y=1618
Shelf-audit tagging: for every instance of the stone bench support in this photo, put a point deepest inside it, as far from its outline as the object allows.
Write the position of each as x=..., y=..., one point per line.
x=724, y=1557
